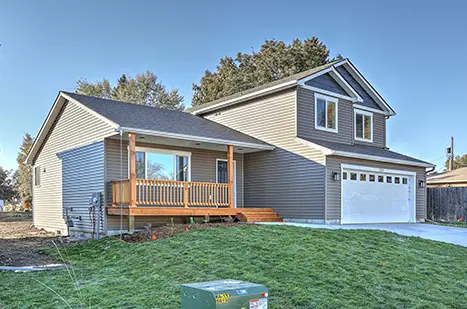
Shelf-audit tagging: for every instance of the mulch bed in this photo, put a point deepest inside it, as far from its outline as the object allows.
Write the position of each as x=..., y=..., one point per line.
x=21, y=243
x=160, y=232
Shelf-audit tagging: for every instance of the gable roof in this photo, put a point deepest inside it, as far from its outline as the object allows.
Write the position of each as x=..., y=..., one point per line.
x=363, y=152
x=457, y=175
x=300, y=79
x=149, y=120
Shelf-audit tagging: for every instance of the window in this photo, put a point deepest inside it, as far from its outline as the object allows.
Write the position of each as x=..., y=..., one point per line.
x=389, y=179
x=397, y=180
x=37, y=176
x=380, y=178
x=404, y=181
x=344, y=175
x=372, y=178
x=325, y=113
x=353, y=176
x=162, y=164
x=362, y=177
x=363, y=126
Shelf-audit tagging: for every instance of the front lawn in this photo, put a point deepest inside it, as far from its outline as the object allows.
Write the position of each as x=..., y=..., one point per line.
x=303, y=268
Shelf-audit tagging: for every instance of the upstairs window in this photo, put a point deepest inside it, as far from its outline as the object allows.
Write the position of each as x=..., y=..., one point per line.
x=325, y=113
x=363, y=126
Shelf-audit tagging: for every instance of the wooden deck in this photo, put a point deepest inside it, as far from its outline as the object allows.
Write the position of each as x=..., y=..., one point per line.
x=244, y=214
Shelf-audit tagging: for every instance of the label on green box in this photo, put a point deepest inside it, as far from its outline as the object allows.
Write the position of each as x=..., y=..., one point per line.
x=261, y=303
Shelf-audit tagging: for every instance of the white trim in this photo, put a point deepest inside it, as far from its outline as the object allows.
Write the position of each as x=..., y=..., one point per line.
x=198, y=138
x=235, y=178
x=328, y=152
x=413, y=183
x=373, y=110
x=363, y=82
x=344, y=84
x=377, y=170
x=326, y=99
x=246, y=97
x=175, y=153
x=364, y=113
x=303, y=80
x=326, y=92
x=381, y=159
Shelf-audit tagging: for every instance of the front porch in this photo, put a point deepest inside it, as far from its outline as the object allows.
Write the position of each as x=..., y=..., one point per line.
x=160, y=179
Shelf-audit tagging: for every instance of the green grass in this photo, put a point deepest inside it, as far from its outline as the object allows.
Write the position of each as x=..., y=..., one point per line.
x=454, y=224
x=303, y=268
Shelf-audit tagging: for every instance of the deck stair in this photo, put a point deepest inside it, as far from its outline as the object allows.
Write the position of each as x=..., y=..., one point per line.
x=259, y=215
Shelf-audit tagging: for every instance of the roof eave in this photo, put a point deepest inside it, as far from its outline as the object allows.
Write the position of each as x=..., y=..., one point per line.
x=198, y=138
x=249, y=96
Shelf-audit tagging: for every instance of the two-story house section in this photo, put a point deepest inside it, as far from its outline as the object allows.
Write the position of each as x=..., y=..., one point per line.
x=331, y=163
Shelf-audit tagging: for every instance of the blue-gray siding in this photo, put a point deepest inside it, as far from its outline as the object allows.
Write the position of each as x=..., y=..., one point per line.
x=326, y=82
x=82, y=174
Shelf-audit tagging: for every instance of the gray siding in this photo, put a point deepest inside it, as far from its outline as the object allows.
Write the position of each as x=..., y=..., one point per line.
x=82, y=174
x=289, y=178
x=333, y=192
x=345, y=135
x=203, y=168
x=326, y=82
x=74, y=127
x=367, y=99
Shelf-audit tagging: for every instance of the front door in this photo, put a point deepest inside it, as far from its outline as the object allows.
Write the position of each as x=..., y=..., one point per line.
x=222, y=176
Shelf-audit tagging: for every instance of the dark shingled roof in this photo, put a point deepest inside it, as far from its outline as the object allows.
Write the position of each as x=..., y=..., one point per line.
x=365, y=150
x=149, y=118
x=293, y=77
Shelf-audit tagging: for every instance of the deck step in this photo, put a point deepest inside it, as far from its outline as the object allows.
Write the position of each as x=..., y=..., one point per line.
x=259, y=215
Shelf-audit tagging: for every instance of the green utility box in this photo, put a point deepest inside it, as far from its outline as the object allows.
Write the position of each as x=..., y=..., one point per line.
x=224, y=294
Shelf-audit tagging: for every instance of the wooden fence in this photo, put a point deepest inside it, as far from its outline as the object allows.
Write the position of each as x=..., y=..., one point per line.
x=447, y=204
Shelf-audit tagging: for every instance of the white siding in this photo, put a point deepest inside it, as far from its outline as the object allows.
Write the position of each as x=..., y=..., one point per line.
x=74, y=127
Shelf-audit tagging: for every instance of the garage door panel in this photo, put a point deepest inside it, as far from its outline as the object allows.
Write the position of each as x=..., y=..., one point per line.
x=369, y=197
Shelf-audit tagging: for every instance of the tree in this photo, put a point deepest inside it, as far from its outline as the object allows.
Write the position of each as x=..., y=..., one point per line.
x=24, y=172
x=459, y=161
x=274, y=60
x=7, y=184
x=144, y=89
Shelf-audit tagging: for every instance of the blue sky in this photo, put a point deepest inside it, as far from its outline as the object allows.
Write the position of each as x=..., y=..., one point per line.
x=411, y=51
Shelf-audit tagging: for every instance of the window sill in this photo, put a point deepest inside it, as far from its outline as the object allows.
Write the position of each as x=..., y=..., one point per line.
x=363, y=140
x=326, y=129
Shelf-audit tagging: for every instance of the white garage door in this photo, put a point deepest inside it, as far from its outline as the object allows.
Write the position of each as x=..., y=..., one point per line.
x=372, y=195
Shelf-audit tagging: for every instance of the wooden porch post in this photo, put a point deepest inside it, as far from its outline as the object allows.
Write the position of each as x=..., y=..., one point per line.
x=230, y=172
x=132, y=158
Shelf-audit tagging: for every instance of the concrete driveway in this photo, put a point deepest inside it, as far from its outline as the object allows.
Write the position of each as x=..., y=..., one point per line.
x=453, y=235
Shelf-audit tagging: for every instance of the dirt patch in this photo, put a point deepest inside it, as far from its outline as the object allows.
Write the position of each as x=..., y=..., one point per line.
x=21, y=243
x=160, y=232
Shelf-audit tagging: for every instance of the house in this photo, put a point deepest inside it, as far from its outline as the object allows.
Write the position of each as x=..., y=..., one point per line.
x=310, y=147
x=454, y=178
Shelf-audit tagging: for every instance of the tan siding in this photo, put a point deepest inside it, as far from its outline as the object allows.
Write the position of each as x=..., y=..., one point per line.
x=203, y=167
x=289, y=178
x=333, y=164
x=74, y=127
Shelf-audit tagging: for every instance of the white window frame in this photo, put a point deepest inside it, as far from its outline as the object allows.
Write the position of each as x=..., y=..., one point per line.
x=161, y=151
x=327, y=99
x=364, y=113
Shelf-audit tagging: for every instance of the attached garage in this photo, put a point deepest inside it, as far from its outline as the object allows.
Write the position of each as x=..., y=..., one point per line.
x=377, y=195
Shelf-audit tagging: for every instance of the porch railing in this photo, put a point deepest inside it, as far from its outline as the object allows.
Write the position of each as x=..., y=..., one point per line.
x=172, y=193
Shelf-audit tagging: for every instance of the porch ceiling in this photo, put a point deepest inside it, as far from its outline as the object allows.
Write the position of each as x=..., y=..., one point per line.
x=146, y=138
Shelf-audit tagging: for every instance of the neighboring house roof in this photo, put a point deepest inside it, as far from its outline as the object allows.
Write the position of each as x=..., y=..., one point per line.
x=142, y=119
x=363, y=152
x=455, y=176
x=300, y=79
